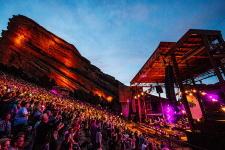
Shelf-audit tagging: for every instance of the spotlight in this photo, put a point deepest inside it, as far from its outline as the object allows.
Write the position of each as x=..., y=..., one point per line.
x=214, y=100
x=190, y=94
x=180, y=93
x=223, y=108
x=194, y=91
x=186, y=91
x=203, y=93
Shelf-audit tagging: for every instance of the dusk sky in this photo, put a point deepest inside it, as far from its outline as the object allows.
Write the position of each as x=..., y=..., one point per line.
x=118, y=36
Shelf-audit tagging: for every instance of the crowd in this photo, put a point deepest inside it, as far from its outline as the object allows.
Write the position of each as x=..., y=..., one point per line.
x=34, y=114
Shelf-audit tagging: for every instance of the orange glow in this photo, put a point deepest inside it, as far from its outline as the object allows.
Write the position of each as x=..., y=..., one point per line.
x=109, y=98
x=61, y=81
x=223, y=108
x=68, y=73
x=99, y=93
x=19, y=39
x=203, y=93
x=62, y=55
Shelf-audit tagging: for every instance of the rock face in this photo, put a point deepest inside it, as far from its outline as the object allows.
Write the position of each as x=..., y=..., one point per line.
x=39, y=52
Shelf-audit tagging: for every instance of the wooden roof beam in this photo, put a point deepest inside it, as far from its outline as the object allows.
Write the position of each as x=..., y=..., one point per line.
x=193, y=56
x=191, y=32
x=192, y=42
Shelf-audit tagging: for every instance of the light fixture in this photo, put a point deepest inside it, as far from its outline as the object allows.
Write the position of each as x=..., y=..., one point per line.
x=180, y=93
x=223, y=108
x=203, y=93
x=186, y=91
x=194, y=91
x=190, y=94
x=214, y=100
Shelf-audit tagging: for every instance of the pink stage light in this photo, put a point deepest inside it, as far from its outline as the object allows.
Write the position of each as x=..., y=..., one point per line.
x=144, y=76
x=128, y=101
x=53, y=91
x=168, y=112
x=213, y=97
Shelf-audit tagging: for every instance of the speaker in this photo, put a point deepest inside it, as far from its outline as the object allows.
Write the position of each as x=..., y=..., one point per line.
x=159, y=89
x=169, y=86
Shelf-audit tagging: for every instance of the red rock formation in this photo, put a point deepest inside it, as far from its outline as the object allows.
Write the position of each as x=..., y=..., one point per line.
x=28, y=45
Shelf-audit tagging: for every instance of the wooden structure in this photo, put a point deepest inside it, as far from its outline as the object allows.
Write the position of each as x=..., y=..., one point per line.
x=196, y=53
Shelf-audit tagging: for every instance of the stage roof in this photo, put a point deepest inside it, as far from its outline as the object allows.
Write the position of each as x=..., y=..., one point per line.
x=189, y=48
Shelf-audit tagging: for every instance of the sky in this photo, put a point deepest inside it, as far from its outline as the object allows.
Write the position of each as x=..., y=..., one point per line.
x=119, y=36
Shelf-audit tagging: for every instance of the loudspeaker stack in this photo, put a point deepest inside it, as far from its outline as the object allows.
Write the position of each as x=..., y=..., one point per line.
x=169, y=85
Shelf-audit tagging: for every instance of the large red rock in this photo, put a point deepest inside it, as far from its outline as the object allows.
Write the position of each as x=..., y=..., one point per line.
x=39, y=52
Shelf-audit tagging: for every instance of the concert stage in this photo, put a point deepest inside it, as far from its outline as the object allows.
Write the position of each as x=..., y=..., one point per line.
x=197, y=55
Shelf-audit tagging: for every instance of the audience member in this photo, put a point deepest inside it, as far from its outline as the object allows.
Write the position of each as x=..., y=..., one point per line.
x=17, y=143
x=5, y=143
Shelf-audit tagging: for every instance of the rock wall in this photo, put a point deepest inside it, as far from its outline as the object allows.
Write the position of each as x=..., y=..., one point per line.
x=39, y=52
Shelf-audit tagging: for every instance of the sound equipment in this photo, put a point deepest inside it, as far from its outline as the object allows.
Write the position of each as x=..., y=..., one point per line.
x=159, y=89
x=169, y=86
